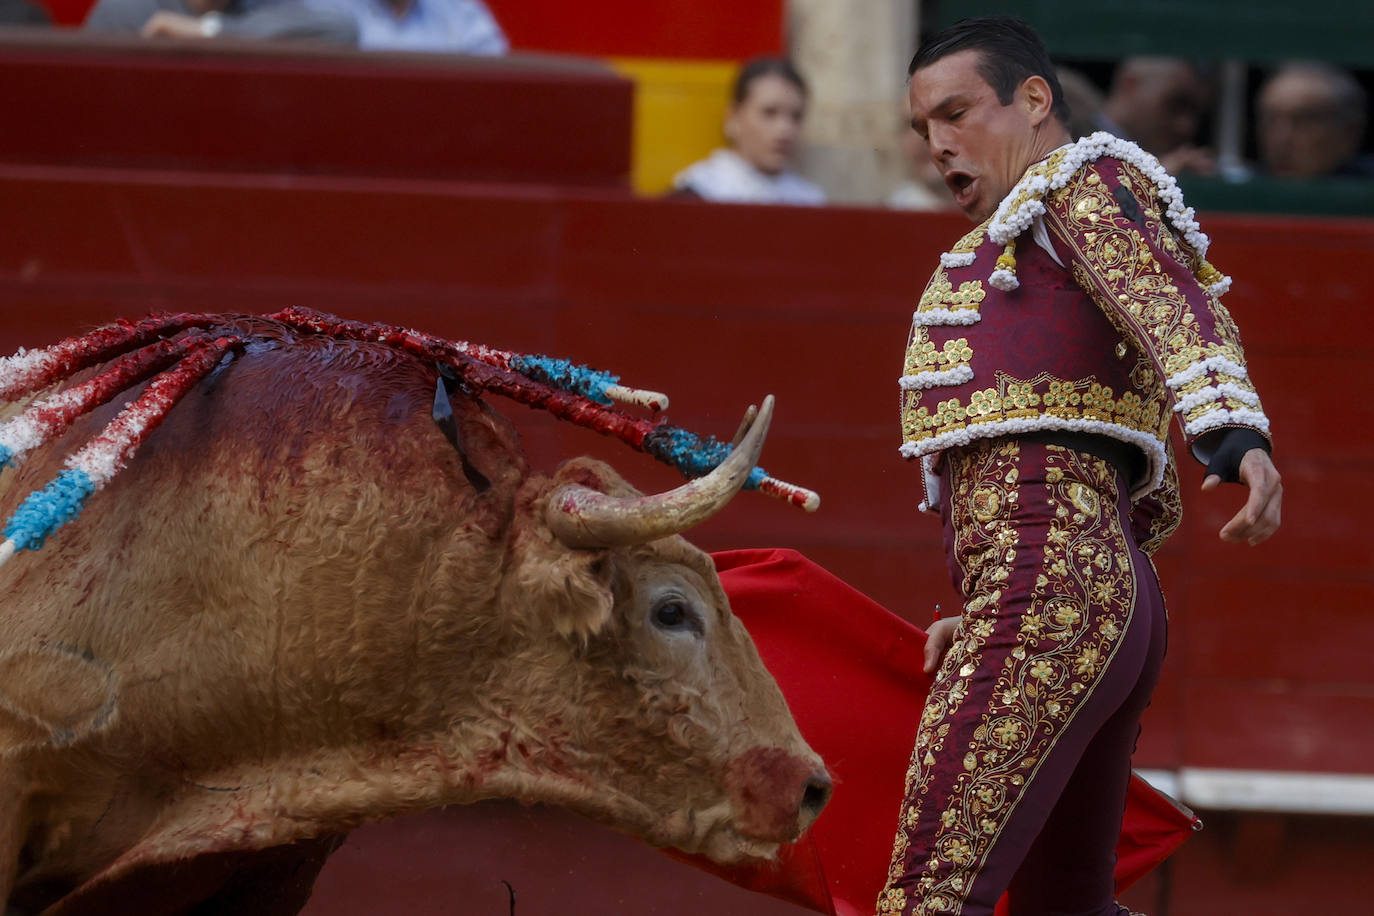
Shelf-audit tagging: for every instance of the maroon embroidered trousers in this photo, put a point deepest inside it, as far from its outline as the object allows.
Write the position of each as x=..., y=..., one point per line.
x=1018, y=778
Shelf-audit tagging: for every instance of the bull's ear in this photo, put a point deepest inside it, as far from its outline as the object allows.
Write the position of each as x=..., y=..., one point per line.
x=577, y=592
x=554, y=585
x=570, y=590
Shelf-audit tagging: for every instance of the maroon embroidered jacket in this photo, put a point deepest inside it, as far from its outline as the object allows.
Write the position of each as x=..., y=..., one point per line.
x=1112, y=334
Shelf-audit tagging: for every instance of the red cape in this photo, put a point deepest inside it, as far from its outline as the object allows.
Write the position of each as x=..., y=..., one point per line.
x=851, y=671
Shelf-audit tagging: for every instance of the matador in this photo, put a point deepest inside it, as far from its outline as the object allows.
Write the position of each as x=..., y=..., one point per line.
x=1048, y=355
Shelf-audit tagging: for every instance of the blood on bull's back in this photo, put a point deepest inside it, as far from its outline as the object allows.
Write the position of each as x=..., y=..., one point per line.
x=295, y=611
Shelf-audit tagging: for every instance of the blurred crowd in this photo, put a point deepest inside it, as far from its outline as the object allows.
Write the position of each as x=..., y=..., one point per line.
x=454, y=26
x=1308, y=119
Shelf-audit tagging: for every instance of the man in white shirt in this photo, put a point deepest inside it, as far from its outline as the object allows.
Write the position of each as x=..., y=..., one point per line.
x=452, y=26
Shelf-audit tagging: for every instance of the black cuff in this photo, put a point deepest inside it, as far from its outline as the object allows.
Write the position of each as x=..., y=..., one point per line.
x=1231, y=446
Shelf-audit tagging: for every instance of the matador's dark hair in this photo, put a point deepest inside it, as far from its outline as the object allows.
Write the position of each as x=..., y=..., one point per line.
x=1011, y=53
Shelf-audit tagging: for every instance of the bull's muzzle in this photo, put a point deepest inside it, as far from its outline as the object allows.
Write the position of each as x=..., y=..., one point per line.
x=776, y=794
x=815, y=796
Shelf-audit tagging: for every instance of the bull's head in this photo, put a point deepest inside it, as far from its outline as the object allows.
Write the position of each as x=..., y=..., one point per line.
x=381, y=637
x=699, y=750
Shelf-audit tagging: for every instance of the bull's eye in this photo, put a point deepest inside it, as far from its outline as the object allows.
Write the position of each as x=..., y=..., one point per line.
x=674, y=614
x=670, y=615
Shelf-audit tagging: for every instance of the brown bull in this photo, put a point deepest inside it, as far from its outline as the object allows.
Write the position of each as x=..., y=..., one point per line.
x=293, y=614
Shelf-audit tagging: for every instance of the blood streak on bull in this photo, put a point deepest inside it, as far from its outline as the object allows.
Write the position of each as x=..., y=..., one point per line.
x=292, y=612
x=580, y=400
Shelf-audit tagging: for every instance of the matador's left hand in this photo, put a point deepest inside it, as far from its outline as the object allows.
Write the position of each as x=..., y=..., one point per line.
x=1260, y=517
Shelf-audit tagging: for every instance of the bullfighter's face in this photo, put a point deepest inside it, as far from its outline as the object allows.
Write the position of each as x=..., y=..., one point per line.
x=981, y=146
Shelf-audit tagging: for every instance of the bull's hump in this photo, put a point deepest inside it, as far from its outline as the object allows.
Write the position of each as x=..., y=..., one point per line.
x=308, y=407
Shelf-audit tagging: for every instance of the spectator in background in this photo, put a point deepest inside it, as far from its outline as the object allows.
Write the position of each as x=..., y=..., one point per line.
x=1311, y=123
x=1159, y=102
x=22, y=12
x=447, y=26
x=208, y=19
x=1084, y=100
x=763, y=127
x=925, y=187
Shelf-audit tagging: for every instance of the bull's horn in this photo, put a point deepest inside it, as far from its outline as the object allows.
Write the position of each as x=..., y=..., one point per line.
x=744, y=425
x=582, y=517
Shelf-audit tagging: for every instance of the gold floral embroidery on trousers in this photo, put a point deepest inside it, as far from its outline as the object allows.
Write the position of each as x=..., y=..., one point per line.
x=1014, y=677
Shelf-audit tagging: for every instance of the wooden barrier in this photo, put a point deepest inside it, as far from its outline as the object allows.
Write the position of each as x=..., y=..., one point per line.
x=720, y=305
x=266, y=107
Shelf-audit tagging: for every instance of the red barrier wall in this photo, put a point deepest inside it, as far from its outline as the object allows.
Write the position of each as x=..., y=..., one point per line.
x=70, y=100
x=720, y=305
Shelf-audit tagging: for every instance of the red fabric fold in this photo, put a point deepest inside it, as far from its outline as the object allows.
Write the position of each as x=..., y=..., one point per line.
x=851, y=672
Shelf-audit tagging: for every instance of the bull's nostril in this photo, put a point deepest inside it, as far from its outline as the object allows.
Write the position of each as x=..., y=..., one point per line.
x=816, y=794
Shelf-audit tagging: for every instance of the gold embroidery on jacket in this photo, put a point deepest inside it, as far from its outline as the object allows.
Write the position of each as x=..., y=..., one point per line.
x=972, y=239
x=1117, y=268
x=1044, y=395
x=924, y=356
x=1167, y=500
x=941, y=294
x=910, y=398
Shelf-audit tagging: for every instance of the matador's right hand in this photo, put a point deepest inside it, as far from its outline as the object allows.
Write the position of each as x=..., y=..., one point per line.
x=939, y=637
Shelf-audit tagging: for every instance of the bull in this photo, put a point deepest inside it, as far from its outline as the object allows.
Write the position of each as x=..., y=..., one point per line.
x=295, y=612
